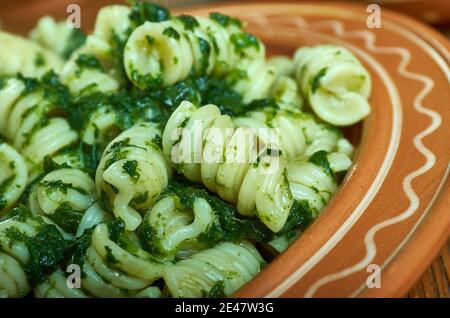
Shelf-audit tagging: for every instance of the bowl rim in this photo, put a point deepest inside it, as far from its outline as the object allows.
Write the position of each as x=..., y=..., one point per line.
x=423, y=247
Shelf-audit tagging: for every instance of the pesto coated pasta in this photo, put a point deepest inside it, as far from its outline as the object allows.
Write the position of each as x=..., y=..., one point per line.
x=13, y=178
x=335, y=83
x=26, y=122
x=133, y=172
x=221, y=269
x=261, y=186
x=163, y=155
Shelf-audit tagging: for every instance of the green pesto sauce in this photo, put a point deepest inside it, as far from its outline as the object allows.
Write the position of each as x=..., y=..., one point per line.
x=150, y=40
x=216, y=291
x=244, y=40
x=171, y=33
x=320, y=159
x=47, y=249
x=130, y=167
x=76, y=39
x=189, y=22
x=315, y=81
x=143, y=11
x=67, y=218
x=39, y=60
x=110, y=258
x=225, y=20
x=87, y=61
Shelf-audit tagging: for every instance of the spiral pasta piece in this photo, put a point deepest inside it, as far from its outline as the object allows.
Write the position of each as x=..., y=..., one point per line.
x=109, y=270
x=89, y=68
x=217, y=271
x=133, y=172
x=283, y=65
x=163, y=53
x=157, y=54
x=25, y=121
x=19, y=55
x=314, y=180
x=92, y=67
x=13, y=178
x=63, y=195
x=17, y=252
x=173, y=230
x=205, y=147
x=285, y=93
x=296, y=133
x=255, y=79
x=53, y=35
x=13, y=280
x=334, y=82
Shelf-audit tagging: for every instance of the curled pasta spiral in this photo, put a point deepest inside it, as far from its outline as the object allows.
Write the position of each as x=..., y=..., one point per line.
x=163, y=53
x=313, y=180
x=334, y=82
x=25, y=121
x=52, y=35
x=283, y=65
x=63, y=195
x=110, y=269
x=298, y=132
x=19, y=55
x=133, y=172
x=217, y=271
x=173, y=229
x=199, y=149
x=92, y=67
x=15, y=253
x=13, y=280
x=13, y=177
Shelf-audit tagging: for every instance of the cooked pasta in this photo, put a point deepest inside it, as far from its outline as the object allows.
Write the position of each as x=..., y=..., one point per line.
x=132, y=173
x=23, y=246
x=26, y=122
x=13, y=178
x=58, y=37
x=109, y=270
x=255, y=185
x=313, y=180
x=63, y=195
x=283, y=65
x=19, y=55
x=116, y=182
x=254, y=79
x=163, y=53
x=297, y=133
x=334, y=82
x=215, y=272
x=174, y=229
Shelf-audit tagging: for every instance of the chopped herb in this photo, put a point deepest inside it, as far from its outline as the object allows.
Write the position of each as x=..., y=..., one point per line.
x=39, y=60
x=315, y=82
x=115, y=229
x=189, y=22
x=87, y=61
x=244, y=40
x=320, y=159
x=130, y=167
x=150, y=40
x=225, y=20
x=143, y=11
x=67, y=218
x=171, y=33
x=76, y=39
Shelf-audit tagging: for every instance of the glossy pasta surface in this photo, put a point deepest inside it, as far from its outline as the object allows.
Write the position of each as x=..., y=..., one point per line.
x=163, y=155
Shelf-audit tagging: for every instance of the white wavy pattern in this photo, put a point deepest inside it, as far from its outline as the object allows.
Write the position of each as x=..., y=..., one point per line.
x=371, y=248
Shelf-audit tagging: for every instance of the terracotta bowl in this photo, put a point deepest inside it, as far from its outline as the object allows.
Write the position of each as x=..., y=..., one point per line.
x=392, y=212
